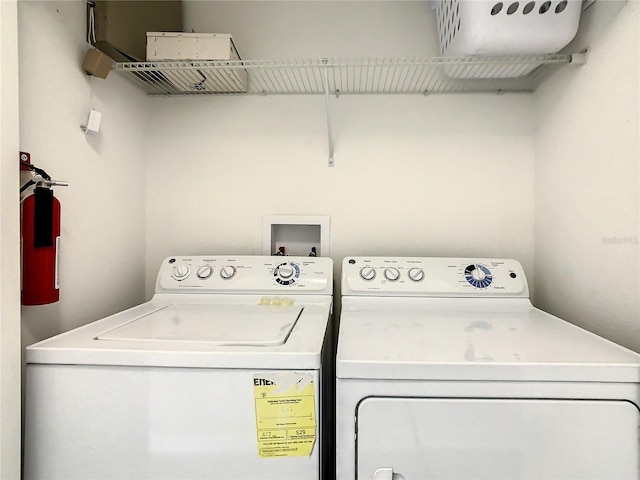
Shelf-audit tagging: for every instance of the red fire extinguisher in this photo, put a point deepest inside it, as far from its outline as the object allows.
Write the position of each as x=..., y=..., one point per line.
x=40, y=231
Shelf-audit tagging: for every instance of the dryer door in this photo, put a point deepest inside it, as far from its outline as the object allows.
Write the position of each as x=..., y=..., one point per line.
x=457, y=438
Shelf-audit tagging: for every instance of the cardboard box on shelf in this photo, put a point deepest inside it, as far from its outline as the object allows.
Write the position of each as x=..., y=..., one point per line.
x=121, y=26
x=97, y=63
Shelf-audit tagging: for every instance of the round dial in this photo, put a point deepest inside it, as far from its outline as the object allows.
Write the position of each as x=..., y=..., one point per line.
x=478, y=275
x=392, y=274
x=367, y=273
x=416, y=274
x=227, y=272
x=286, y=273
x=204, y=272
x=180, y=272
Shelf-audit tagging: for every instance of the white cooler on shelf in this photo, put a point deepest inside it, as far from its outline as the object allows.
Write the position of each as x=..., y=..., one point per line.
x=198, y=47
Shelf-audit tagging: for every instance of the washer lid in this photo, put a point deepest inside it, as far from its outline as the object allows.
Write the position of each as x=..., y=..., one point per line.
x=223, y=325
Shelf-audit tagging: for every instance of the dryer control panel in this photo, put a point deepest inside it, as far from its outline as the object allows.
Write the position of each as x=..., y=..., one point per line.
x=433, y=277
x=245, y=274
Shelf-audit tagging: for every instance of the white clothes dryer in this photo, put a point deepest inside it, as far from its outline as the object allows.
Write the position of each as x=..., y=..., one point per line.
x=445, y=370
x=218, y=376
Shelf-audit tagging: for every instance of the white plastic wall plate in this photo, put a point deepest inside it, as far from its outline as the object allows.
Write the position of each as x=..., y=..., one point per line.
x=298, y=234
x=93, y=122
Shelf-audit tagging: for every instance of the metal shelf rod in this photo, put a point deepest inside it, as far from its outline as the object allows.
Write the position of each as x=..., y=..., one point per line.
x=343, y=76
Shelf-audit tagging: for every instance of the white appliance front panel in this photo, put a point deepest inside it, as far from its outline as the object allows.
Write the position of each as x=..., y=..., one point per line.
x=533, y=439
x=97, y=422
x=268, y=275
x=433, y=277
x=213, y=324
x=351, y=392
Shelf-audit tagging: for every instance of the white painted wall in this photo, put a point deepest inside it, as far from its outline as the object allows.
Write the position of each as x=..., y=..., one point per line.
x=587, y=183
x=414, y=175
x=439, y=175
x=314, y=29
x=9, y=247
x=102, y=252
x=448, y=175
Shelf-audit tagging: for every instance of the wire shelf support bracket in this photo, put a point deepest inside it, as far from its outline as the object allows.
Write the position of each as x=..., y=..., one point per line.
x=328, y=112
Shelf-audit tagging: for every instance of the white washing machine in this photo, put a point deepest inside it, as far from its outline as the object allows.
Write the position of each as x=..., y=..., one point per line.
x=445, y=370
x=218, y=376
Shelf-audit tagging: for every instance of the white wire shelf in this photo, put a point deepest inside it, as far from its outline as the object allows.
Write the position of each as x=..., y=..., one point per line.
x=337, y=77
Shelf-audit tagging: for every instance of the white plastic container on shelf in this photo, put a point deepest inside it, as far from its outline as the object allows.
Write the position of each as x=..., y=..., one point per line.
x=190, y=46
x=503, y=28
x=197, y=47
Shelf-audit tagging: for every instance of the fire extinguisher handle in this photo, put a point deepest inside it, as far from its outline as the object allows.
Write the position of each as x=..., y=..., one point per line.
x=55, y=183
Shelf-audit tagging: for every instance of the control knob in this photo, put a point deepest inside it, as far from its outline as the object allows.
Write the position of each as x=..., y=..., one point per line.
x=204, y=272
x=416, y=274
x=227, y=272
x=478, y=275
x=392, y=274
x=285, y=271
x=367, y=273
x=180, y=272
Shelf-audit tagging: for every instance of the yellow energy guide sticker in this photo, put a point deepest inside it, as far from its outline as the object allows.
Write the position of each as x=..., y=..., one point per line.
x=285, y=414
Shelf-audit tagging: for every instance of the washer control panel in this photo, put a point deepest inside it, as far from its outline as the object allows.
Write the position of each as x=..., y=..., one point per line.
x=245, y=274
x=433, y=276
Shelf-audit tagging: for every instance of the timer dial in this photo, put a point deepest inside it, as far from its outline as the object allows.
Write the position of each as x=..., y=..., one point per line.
x=392, y=274
x=478, y=275
x=227, y=272
x=367, y=273
x=286, y=273
x=204, y=272
x=416, y=274
x=180, y=272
